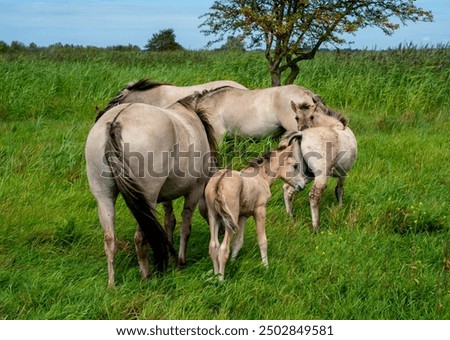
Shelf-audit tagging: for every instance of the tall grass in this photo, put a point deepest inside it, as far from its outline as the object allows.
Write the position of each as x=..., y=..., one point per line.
x=385, y=254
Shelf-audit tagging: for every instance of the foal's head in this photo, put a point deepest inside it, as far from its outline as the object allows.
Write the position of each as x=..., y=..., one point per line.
x=289, y=164
x=318, y=114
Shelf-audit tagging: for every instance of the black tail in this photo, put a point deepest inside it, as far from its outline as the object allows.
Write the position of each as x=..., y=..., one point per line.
x=134, y=197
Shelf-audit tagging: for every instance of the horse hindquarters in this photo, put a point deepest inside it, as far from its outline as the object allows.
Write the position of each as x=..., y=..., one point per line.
x=223, y=209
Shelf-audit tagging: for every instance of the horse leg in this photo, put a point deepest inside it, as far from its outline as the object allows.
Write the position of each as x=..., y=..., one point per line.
x=106, y=214
x=339, y=191
x=288, y=191
x=142, y=247
x=202, y=208
x=169, y=220
x=239, y=240
x=214, y=241
x=260, y=218
x=224, y=252
x=190, y=201
x=320, y=183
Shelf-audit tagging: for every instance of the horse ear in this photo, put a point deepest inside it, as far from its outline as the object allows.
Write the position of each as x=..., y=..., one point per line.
x=296, y=151
x=294, y=106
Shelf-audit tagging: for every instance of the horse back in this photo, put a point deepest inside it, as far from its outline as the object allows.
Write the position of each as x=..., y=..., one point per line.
x=165, y=95
x=329, y=149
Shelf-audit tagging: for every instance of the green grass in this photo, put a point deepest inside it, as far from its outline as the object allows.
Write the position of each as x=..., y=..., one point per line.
x=385, y=254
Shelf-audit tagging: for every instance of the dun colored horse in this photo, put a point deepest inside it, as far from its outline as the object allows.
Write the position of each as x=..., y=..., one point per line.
x=328, y=149
x=233, y=108
x=233, y=196
x=149, y=155
x=161, y=94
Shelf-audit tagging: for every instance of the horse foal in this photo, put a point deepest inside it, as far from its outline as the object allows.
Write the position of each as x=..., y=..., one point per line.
x=233, y=196
x=328, y=149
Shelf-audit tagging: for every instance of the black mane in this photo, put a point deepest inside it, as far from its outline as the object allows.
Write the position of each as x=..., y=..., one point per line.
x=140, y=85
x=336, y=114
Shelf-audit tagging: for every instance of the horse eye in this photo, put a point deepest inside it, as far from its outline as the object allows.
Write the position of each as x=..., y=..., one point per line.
x=297, y=118
x=312, y=117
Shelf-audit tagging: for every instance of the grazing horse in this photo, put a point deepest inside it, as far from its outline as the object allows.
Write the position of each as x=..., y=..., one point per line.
x=232, y=107
x=161, y=94
x=149, y=155
x=258, y=112
x=232, y=197
x=328, y=148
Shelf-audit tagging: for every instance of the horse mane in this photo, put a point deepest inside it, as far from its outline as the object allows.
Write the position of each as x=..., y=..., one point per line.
x=264, y=158
x=337, y=115
x=191, y=103
x=329, y=112
x=140, y=85
x=215, y=90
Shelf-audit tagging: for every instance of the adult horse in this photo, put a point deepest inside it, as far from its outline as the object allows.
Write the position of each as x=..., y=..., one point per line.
x=232, y=107
x=161, y=94
x=258, y=112
x=149, y=155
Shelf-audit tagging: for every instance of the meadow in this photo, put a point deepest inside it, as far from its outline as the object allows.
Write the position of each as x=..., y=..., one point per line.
x=385, y=254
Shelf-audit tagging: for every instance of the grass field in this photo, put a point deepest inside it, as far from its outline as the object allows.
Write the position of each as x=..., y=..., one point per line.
x=385, y=254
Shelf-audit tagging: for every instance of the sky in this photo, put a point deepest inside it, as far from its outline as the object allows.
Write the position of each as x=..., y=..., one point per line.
x=121, y=22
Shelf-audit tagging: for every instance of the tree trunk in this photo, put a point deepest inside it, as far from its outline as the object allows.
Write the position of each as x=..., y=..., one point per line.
x=276, y=77
x=295, y=70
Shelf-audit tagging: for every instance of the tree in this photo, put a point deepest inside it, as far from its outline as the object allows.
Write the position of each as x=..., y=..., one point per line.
x=3, y=47
x=294, y=30
x=233, y=44
x=163, y=41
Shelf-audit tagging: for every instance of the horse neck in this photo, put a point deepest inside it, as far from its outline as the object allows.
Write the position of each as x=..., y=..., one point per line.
x=180, y=108
x=211, y=98
x=268, y=170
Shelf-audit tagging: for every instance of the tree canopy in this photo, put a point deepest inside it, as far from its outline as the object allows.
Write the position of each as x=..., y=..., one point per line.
x=163, y=41
x=294, y=30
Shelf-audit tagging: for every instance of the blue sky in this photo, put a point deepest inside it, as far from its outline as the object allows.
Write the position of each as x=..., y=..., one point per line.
x=122, y=22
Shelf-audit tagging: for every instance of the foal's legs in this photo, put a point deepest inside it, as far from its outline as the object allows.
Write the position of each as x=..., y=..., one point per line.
x=288, y=191
x=224, y=252
x=260, y=218
x=239, y=240
x=320, y=183
x=214, y=243
x=339, y=191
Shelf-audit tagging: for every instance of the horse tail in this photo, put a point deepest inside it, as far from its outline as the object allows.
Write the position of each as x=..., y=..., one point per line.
x=134, y=196
x=221, y=207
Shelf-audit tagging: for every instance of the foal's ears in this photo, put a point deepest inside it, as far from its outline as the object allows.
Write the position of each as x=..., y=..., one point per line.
x=294, y=106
